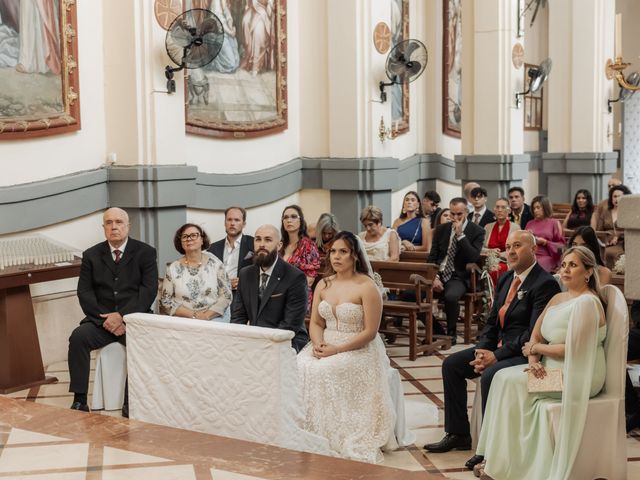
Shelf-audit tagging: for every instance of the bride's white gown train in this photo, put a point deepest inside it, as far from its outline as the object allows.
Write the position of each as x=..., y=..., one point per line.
x=346, y=396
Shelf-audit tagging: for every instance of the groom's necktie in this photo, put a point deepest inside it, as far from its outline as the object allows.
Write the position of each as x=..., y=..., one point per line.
x=264, y=279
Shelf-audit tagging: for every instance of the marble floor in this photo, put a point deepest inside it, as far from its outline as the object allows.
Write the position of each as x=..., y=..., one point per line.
x=40, y=438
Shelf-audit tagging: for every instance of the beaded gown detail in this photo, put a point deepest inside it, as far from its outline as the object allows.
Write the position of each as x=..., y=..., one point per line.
x=346, y=396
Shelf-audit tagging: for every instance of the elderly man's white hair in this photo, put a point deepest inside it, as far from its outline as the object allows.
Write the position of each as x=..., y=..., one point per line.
x=120, y=211
x=273, y=228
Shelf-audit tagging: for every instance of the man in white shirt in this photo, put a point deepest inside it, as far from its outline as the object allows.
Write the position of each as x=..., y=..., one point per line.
x=236, y=249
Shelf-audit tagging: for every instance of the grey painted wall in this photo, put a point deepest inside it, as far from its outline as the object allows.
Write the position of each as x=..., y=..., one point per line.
x=157, y=197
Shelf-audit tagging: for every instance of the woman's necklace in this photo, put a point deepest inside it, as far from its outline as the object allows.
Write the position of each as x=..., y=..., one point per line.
x=196, y=265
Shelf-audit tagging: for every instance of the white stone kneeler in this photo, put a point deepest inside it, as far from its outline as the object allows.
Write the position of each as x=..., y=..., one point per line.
x=110, y=377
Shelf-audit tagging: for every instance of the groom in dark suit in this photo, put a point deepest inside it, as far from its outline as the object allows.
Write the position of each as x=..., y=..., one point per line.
x=271, y=293
x=521, y=295
x=117, y=277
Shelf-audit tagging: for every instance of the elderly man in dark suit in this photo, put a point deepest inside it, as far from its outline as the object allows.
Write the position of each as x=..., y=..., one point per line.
x=271, y=293
x=454, y=245
x=117, y=277
x=521, y=295
x=236, y=249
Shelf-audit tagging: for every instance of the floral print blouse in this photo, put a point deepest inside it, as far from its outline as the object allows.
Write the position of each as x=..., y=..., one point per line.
x=307, y=258
x=205, y=287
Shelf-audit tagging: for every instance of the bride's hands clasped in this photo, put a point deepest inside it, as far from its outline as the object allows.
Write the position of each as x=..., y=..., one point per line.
x=324, y=350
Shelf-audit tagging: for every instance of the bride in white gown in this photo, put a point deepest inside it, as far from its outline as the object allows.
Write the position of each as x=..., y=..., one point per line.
x=343, y=370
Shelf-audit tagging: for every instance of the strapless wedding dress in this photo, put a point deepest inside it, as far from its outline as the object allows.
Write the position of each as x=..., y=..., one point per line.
x=346, y=396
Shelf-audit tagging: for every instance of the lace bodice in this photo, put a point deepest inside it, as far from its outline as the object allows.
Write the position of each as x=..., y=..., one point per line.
x=349, y=317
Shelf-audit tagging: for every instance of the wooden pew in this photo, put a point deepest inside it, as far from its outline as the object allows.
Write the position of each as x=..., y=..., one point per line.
x=419, y=278
x=414, y=257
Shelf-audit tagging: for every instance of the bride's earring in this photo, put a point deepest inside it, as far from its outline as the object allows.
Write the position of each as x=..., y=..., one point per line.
x=586, y=280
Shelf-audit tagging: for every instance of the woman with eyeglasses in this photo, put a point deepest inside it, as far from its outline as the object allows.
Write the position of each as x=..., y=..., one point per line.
x=196, y=285
x=297, y=248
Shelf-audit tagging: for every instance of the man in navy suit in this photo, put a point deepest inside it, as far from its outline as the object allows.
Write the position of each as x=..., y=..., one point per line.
x=236, y=249
x=521, y=295
x=455, y=244
x=271, y=293
x=117, y=277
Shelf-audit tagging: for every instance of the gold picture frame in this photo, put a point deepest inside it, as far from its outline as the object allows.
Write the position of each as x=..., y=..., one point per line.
x=41, y=91
x=243, y=92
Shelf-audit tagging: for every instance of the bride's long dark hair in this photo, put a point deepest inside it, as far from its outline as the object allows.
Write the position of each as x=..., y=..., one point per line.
x=357, y=255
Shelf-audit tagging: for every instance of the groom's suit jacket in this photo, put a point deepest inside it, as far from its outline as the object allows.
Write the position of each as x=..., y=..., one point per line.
x=521, y=315
x=283, y=304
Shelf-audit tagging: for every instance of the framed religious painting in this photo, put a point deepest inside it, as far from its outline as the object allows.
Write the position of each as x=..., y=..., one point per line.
x=399, y=93
x=452, y=68
x=38, y=68
x=243, y=92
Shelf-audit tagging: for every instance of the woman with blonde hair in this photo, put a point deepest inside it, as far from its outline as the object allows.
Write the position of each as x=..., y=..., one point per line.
x=380, y=242
x=516, y=437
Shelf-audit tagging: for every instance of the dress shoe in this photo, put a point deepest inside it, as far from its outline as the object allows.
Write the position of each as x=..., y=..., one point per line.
x=633, y=422
x=83, y=407
x=125, y=410
x=473, y=461
x=451, y=441
x=454, y=337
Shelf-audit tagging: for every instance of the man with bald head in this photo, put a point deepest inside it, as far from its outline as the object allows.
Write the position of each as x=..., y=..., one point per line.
x=117, y=277
x=271, y=293
x=521, y=295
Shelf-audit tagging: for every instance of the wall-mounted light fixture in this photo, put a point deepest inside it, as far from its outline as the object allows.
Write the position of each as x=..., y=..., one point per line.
x=387, y=133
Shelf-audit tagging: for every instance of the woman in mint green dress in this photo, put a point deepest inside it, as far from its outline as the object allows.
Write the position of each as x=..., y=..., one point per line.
x=517, y=437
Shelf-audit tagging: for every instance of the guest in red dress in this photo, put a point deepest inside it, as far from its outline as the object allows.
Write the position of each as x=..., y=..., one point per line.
x=496, y=234
x=297, y=248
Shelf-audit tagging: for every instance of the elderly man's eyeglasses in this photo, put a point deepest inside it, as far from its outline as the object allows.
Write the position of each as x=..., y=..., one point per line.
x=190, y=236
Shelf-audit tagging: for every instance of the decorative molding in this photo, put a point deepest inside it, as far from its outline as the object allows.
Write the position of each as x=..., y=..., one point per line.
x=568, y=172
x=38, y=204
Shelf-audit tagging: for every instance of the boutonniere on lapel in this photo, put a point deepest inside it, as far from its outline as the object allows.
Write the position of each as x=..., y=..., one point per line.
x=248, y=255
x=521, y=294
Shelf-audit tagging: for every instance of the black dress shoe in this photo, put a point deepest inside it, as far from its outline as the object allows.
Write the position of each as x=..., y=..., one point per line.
x=453, y=335
x=451, y=441
x=125, y=410
x=83, y=407
x=633, y=422
x=473, y=461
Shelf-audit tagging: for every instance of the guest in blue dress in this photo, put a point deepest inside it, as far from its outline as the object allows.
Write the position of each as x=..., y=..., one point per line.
x=412, y=226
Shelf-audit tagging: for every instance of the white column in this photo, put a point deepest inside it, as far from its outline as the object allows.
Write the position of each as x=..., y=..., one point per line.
x=491, y=123
x=581, y=34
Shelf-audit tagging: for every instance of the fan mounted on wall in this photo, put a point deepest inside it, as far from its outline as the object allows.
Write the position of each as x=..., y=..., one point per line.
x=625, y=93
x=537, y=76
x=406, y=62
x=193, y=40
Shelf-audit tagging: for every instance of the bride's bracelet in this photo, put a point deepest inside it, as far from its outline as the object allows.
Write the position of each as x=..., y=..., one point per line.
x=531, y=352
